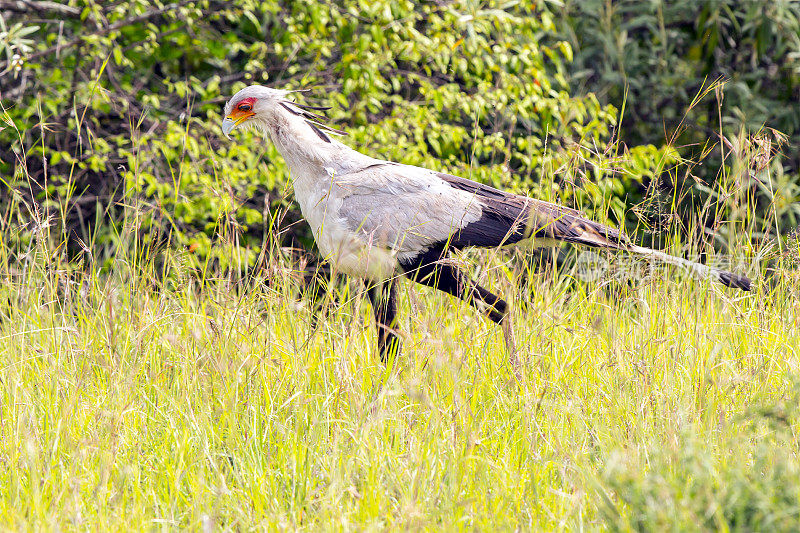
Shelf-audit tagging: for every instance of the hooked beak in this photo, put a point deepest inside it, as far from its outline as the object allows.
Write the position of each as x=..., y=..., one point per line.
x=227, y=127
x=231, y=121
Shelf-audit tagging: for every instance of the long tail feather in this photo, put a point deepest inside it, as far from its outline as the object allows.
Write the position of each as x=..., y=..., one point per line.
x=729, y=279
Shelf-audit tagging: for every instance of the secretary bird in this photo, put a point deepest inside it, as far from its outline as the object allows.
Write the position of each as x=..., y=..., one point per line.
x=372, y=218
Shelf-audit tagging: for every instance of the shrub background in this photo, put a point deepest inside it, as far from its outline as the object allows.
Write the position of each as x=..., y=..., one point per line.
x=111, y=105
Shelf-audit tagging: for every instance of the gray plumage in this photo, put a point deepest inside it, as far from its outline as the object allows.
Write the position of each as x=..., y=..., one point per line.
x=371, y=218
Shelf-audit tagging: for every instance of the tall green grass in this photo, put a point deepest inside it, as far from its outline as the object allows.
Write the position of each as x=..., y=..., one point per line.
x=153, y=395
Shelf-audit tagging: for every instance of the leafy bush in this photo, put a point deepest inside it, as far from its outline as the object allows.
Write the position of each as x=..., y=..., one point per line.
x=664, y=60
x=119, y=106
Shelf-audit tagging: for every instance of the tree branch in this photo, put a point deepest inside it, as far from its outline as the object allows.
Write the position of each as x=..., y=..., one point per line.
x=42, y=6
x=102, y=31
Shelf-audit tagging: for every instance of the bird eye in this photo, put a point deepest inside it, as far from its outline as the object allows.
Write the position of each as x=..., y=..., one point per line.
x=245, y=107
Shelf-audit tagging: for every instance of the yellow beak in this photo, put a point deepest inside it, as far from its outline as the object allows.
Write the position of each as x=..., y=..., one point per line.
x=234, y=119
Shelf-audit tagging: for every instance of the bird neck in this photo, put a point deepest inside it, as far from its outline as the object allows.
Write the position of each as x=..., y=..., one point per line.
x=300, y=146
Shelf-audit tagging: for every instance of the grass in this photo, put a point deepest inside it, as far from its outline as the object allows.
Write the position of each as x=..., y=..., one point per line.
x=139, y=397
x=220, y=407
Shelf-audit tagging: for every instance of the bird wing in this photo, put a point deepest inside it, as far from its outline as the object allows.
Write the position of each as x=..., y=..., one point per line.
x=403, y=207
x=412, y=209
x=509, y=218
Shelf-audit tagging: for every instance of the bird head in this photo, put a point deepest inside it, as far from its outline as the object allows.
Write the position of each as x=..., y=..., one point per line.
x=266, y=108
x=252, y=106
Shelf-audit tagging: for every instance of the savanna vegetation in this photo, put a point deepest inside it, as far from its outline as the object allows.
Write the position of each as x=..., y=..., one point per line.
x=160, y=367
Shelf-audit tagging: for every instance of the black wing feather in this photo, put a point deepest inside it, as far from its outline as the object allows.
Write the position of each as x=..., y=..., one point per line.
x=509, y=218
x=316, y=121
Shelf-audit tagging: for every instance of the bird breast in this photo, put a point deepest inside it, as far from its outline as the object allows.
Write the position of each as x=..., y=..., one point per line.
x=350, y=252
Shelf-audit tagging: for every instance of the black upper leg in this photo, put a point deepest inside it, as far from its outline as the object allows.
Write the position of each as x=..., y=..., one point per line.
x=383, y=297
x=432, y=269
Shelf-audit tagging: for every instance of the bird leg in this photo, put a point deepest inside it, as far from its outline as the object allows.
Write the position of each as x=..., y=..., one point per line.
x=511, y=344
x=315, y=287
x=383, y=297
x=448, y=278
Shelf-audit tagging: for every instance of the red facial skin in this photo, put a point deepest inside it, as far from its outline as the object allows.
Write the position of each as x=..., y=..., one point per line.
x=238, y=114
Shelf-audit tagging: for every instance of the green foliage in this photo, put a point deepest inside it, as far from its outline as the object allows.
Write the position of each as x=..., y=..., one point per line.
x=664, y=60
x=664, y=51
x=159, y=393
x=120, y=105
